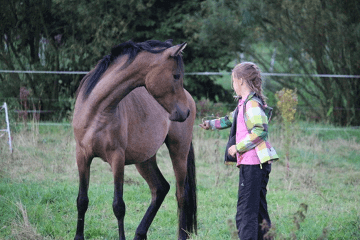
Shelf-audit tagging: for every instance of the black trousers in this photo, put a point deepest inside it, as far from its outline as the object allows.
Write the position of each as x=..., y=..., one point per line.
x=252, y=205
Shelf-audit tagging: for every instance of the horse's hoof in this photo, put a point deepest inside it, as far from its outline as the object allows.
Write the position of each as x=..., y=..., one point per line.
x=140, y=237
x=79, y=237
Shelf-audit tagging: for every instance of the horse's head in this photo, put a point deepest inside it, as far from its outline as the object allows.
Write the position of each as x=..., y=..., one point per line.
x=164, y=82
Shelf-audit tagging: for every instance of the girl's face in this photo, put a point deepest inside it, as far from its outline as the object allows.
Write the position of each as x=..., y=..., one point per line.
x=236, y=84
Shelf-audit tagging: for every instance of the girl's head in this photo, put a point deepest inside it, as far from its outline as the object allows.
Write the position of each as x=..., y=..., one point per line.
x=247, y=76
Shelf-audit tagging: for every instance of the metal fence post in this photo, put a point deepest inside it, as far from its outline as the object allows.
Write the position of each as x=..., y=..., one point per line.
x=7, y=125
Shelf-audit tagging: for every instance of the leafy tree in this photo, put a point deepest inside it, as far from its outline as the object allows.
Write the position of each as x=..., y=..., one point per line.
x=315, y=37
x=31, y=40
x=67, y=35
x=214, y=37
x=310, y=37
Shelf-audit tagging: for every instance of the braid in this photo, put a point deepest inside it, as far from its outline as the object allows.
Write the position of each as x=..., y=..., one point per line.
x=252, y=75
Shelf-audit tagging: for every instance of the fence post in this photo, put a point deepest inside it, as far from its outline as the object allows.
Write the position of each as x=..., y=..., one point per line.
x=7, y=125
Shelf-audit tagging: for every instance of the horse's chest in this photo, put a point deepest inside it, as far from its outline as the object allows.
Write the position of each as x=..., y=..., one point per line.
x=145, y=139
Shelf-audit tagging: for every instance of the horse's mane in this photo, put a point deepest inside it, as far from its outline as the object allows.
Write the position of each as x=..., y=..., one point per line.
x=129, y=48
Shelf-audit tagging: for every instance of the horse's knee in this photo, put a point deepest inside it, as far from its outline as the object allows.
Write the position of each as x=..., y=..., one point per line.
x=82, y=203
x=119, y=208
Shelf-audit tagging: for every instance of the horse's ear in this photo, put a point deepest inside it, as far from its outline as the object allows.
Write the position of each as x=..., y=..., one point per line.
x=176, y=50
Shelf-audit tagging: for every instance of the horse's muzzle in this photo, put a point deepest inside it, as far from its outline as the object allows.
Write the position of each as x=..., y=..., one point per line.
x=178, y=115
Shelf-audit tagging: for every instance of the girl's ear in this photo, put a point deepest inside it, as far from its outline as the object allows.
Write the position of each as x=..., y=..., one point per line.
x=241, y=80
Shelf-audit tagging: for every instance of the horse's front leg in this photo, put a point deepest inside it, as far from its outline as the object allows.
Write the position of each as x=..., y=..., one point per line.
x=82, y=201
x=159, y=187
x=117, y=164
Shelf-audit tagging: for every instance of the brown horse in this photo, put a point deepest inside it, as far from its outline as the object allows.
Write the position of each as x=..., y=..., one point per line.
x=131, y=103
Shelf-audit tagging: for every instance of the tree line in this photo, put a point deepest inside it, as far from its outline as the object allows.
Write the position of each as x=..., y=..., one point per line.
x=310, y=37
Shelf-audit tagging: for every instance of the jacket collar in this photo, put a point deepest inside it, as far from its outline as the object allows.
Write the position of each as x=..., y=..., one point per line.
x=250, y=96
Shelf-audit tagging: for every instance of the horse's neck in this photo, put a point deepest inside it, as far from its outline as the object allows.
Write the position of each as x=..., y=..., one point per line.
x=106, y=95
x=112, y=89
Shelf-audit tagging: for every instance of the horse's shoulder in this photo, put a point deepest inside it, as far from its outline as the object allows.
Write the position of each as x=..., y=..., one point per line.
x=140, y=104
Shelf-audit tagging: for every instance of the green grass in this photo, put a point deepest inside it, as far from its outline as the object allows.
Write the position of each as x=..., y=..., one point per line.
x=39, y=183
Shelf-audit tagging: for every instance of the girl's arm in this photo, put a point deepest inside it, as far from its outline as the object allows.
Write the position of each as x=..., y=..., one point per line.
x=223, y=122
x=257, y=122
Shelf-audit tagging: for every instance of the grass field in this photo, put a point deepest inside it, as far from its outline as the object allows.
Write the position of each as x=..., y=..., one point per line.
x=39, y=182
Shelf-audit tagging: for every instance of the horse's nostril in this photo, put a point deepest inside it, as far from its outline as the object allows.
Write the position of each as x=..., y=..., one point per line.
x=188, y=113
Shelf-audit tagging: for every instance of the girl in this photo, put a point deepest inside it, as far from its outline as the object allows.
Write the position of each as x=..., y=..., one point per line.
x=254, y=154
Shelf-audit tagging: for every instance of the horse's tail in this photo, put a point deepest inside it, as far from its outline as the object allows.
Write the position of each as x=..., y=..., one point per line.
x=190, y=193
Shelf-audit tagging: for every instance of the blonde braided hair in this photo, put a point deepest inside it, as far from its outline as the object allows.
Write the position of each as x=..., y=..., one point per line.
x=251, y=73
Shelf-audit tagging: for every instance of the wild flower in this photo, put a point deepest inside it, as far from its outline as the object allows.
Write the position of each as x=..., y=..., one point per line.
x=286, y=102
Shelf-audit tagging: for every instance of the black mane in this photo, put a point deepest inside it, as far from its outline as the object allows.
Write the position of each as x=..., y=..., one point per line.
x=131, y=49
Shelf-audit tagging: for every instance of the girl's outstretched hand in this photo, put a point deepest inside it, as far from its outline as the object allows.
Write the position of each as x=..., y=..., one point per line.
x=232, y=150
x=205, y=125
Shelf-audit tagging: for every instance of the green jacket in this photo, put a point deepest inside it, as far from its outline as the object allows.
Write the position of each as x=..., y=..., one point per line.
x=256, y=116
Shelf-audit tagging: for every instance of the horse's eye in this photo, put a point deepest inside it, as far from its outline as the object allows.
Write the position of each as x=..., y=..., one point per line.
x=177, y=76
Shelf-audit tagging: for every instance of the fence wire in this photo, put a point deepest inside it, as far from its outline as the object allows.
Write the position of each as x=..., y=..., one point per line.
x=194, y=73
x=189, y=73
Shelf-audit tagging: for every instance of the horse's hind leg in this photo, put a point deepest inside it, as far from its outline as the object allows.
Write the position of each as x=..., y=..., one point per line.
x=182, y=157
x=82, y=199
x=159, y=187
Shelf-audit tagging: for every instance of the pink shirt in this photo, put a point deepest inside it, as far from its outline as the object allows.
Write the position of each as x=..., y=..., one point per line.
x=250, y=157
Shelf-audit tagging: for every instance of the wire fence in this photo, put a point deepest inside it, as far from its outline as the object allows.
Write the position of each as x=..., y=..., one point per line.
x=336, y=129
x=195, y=73
x=18, y=111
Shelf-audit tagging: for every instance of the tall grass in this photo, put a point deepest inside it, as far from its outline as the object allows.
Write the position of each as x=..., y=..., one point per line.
x=39, y=182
